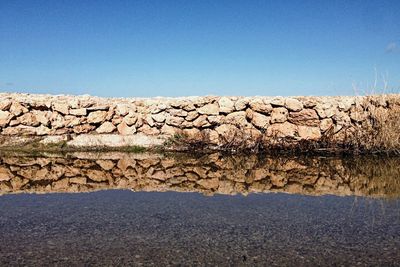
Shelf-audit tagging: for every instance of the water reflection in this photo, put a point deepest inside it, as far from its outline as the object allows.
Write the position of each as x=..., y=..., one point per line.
x=207, y=174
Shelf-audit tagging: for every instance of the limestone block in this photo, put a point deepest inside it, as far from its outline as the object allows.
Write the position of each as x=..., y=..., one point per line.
x=125, y=129
x=278, y=102
x=241, y=104
x=279, y=115
x=209, y=109
x=226, y=105
x=293, y=104
x=83, y=128
x=130, y=119
x=5, y=118
x=259, y=105
x=28, y=119
x=259, y=120
x=78, y=112
x=106, y=127
x=178, y=112
x=285, y=129
x=192, y=115
x=237, y=118
x=201, y=122
x=309, y=132
x=42, y=130
x=42, y=116
x=5, y=174
x=160, y=117
x=5, y=104
x=97, y=117
x=169, y=130
x=146, y=129
x=174, y=121
x=326, y=124
x=63, y=108
x=308, y=117
x=17, y=109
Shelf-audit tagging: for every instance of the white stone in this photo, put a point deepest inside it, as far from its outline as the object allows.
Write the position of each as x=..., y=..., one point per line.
x=226, y=105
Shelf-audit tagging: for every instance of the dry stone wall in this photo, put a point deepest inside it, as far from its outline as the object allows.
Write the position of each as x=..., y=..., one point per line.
x=94, y=121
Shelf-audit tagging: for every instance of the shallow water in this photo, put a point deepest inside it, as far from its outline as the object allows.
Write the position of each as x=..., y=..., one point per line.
x=198, y=210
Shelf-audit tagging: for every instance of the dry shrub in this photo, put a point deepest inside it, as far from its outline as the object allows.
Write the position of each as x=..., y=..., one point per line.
x=380, y=132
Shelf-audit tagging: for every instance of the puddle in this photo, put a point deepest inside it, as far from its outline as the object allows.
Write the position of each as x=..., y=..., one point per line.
x=198, y=210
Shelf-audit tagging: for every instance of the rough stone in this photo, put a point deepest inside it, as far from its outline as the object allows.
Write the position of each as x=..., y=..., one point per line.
x=226, y=105
x=209, y=109
x=5, y=174
x=241, y=104
x=5, y=104
x=258, y=105
x=125, y=129
x=259, y=120
x=227, y=130
x=215, y=120
x=42, y=130
x=192, y=115
x=105, y=164
x=281, y=130
x=357, y=114
x=97, y=117
x=309, y=133
x=160, y=117
x=78, y=112
x=19, y=130
x=146, y=129
x=308, y=117
x=192, y=133
x=149, y=120
x=17, y=109
x=209, y=183
x=130, y=119
x=84, y=128
x=201, y=122
x=326, y=124
x=63, y=108
x=28, y=119
x=278, y=102
x=106, y=127
x=279, y=115
x=42, y=117
x=124, y=109
x=114, y=140
x=174, y=121
x=325, y=110
x=72, y=121
x=237, y=118
x=5, y=118
x=293, y=104
x=178, y=112
x=168, y=130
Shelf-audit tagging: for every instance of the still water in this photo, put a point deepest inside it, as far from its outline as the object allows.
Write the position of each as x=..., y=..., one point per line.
x=178, y=209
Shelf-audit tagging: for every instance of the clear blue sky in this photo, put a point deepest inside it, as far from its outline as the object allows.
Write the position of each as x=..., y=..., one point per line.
x=198, y=47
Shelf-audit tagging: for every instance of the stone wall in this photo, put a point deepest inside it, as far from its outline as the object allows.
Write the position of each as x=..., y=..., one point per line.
x=86, y=121
x=210, y=174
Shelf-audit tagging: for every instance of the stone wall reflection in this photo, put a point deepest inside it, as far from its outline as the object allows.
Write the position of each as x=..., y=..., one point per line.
x=206, y=174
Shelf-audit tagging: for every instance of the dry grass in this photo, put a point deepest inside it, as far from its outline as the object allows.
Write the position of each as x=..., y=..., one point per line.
x=379, y=133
